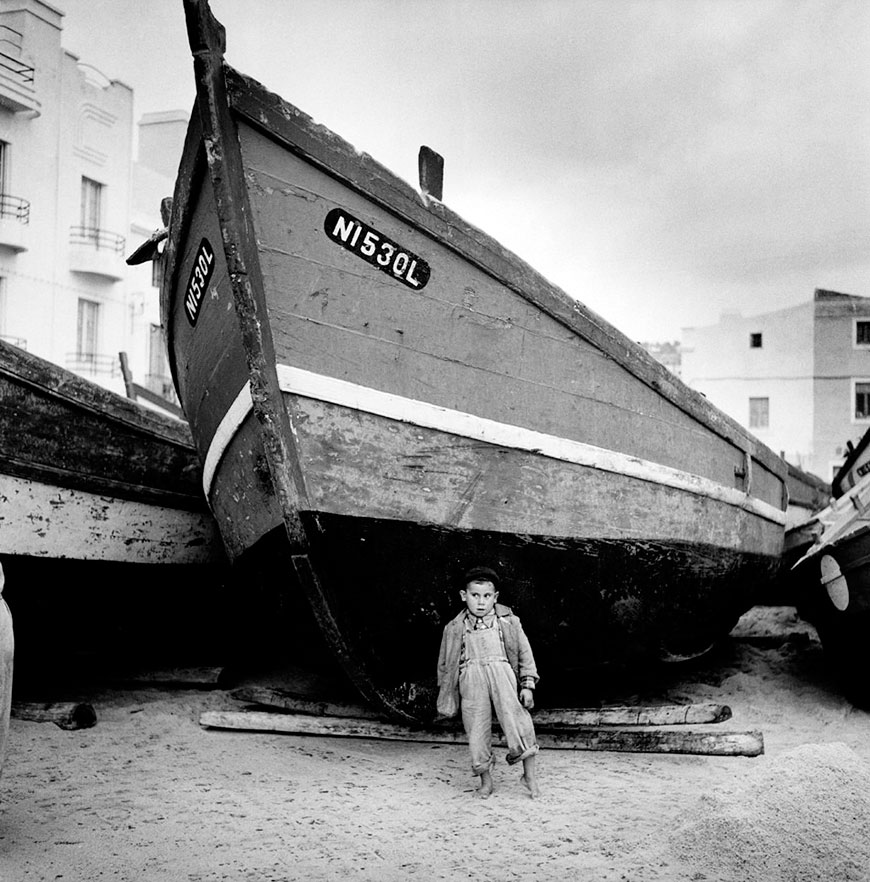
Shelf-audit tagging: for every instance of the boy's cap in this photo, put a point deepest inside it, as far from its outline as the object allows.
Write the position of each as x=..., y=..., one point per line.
x=482, y=574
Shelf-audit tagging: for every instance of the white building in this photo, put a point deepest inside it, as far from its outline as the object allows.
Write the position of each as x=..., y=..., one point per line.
x=73, y=205
x=161, y=138
x=798, y=378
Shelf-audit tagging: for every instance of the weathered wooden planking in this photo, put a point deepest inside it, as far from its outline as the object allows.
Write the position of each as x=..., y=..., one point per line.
x=364, y=175
x=42, y=520
x=85, y=437
x=632, y=741
x=361, y=464
x=464, y=341
x=47, y=378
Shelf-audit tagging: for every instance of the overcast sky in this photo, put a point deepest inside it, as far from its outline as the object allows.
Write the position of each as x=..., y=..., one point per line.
x=660, y=160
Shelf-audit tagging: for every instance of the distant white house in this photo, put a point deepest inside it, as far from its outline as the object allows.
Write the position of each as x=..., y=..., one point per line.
x=73, y=205
x=798, y=378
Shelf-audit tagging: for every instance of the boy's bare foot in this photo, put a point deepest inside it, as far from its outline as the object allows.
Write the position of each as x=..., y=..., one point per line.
x=532, y=786
x=485, y=788
x=529, y=778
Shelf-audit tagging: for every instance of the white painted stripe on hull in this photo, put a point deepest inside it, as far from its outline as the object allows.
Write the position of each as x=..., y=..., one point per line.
x=43, y=520
x=431, y=416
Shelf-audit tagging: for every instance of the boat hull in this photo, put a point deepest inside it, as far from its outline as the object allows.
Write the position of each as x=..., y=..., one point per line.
x=830, y=585
x=381, y=395
x=88, y=475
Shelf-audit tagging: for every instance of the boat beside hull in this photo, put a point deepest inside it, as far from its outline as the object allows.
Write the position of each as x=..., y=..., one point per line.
x=88, y=475
x=830, y=586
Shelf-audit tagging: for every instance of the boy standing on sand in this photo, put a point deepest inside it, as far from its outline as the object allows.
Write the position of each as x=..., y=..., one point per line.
x=485, y=655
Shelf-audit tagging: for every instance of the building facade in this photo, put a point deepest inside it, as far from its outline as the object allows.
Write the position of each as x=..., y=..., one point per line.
x=798, y=378
x=72, y=206
x=161, y=139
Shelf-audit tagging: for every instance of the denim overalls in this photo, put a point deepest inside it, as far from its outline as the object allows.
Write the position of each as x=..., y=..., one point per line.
x=486, y=679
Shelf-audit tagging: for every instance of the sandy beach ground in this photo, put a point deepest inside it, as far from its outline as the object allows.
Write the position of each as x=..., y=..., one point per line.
x=147, y=793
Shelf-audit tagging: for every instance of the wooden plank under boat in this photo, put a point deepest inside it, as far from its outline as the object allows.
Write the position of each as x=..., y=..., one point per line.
x=88, y=475
x=382, y=395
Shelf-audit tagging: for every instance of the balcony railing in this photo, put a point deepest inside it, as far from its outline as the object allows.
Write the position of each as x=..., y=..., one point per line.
x=14, y=222
x=14, y=207
x=91, y=363
x=17, y=86
x=92, y=237
x=18, y=69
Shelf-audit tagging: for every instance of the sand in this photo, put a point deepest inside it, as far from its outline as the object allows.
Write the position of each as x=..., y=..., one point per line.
x=148, y=793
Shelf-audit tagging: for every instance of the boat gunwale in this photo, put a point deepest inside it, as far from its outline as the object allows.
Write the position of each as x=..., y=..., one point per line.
x=29, y=370
x=88, y=482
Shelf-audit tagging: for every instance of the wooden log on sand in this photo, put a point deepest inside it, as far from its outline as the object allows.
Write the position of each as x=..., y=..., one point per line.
x=654, y=715
x=201, y=677
x=554, y=718
x=634, y=741
x=288, y=701
x=66, y=714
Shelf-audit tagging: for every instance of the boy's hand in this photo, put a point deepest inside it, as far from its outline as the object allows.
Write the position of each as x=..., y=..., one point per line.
x=527, y=698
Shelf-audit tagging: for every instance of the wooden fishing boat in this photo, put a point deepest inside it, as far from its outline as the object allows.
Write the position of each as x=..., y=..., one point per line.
x=86, y=474
x=830, y=586
x=381, y=395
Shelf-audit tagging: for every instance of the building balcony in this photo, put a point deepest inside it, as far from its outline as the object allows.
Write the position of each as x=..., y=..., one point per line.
x=91, y=364
x=14, y=222
x=97, y=252
x=17, y=90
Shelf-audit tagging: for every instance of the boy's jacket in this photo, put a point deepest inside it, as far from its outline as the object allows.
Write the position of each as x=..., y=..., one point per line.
x=516, y=645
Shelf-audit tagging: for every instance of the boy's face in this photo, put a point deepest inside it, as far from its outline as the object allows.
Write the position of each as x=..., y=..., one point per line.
x=479, y=596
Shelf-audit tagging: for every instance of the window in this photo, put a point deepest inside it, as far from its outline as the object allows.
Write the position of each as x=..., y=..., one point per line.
x=4, y=167
x=158, y=365
x=862, y=399
x=92, y=208
x=759, y=413
x=87, y=335
x=157, y=272
x=862, y=332
x=755, y=340
x=157, y=362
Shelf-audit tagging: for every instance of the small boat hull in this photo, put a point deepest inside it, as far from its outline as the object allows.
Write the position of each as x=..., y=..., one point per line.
x=830, y=585
x=88, y=475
